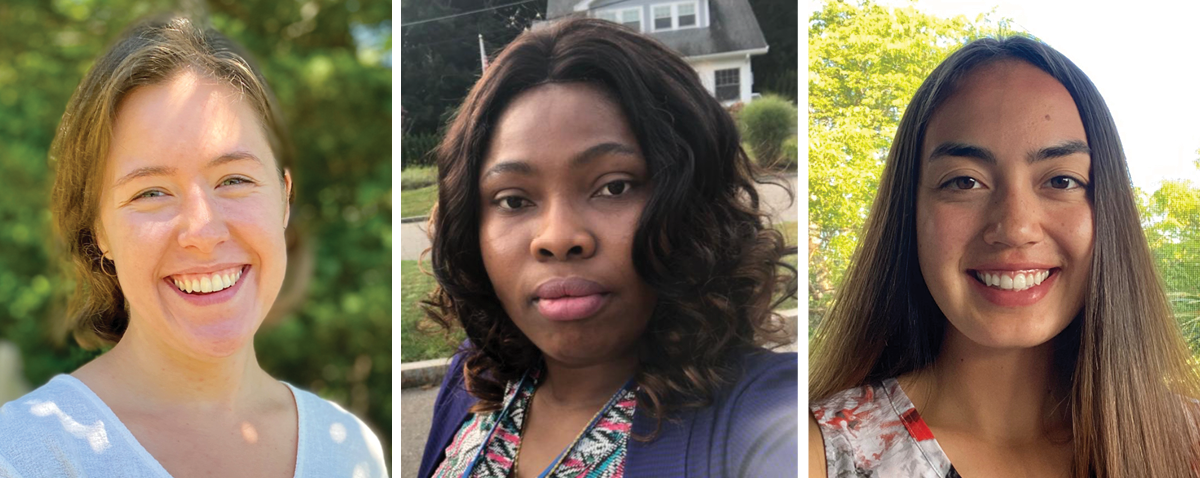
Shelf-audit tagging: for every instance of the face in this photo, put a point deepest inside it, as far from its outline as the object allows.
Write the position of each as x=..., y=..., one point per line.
x=191, y=199
x=1004, y=223
x=562, y=187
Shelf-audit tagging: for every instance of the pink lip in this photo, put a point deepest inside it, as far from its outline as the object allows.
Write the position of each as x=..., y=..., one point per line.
x=570, y=299
x=211, y=298
x=1011, y=266
x=1015, y=298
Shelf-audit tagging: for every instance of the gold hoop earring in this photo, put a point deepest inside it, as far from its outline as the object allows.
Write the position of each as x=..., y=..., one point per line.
x=113, y=274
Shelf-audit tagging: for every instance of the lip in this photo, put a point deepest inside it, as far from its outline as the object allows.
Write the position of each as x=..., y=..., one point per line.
x=215, y=297
x=1014, y=298
x=209, y=269
x=570, y=299
x=1011, y=266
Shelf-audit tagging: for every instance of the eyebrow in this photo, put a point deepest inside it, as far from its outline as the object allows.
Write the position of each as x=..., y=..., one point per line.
x=581, y=159
x=963, y=150
x=168, y=170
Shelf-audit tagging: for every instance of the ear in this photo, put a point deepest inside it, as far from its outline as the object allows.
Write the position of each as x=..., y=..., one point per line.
x=287, y=196
x=100, y=237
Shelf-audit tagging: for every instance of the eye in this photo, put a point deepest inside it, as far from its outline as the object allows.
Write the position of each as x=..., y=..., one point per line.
x=236, y=180
x=1063, y=182
x=152, y=193
x=511, y=203
x=615, y=188
x=961, y=183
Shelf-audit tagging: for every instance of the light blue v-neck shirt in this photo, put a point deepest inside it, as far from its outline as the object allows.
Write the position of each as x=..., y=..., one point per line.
x=63, y=429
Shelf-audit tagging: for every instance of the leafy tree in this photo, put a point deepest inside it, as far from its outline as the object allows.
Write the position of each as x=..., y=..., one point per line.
x=865, y=63
x=1171, y=219
x=329, y=63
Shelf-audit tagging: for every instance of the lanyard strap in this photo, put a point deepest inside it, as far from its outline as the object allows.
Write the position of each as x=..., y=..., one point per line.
x=492, y=431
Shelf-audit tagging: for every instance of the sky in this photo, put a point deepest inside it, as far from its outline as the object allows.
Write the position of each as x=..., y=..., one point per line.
x=1144, y=57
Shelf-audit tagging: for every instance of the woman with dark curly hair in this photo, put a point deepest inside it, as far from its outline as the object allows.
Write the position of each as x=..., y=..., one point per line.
x=598, y=237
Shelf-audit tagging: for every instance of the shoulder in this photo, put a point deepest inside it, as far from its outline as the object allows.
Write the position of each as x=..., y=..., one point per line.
x=870, y=427
x=56, y=428
x=760, y=417
x=336, y=437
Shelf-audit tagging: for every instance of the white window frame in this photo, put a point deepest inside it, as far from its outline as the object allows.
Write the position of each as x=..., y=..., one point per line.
x=674, y=16
x=619, y=13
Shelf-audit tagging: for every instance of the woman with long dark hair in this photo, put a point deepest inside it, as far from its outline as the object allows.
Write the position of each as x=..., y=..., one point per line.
x=1003, y=298
x=598, y=237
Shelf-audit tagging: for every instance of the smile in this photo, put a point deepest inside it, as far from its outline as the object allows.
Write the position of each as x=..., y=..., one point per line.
x=1012, y=280
x=207, y=283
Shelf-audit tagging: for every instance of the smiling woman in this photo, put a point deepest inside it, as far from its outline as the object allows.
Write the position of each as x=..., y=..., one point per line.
x=598, y=237
x=172, y=194
x=1003, y=299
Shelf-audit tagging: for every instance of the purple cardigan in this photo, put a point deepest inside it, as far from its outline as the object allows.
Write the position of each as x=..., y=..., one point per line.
x=750, y=430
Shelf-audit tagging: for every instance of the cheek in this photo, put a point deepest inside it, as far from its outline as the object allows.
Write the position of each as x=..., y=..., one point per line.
x=1075, y=232
x=943, y=235
x=503, y=246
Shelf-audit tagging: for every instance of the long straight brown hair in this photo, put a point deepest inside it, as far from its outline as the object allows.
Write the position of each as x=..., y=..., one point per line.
x=1122, y=359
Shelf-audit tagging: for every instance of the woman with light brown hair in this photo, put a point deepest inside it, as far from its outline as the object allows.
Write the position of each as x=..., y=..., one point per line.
x=172, y=196
x=1003, y=299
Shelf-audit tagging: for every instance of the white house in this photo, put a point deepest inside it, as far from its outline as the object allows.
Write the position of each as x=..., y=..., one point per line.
x=717, y=37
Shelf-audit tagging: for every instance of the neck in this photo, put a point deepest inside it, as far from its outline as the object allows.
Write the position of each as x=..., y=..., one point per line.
x=164, y=377
x=1001, y=395
x=584, y=386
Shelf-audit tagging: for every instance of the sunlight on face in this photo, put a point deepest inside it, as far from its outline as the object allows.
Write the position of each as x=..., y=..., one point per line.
x=191, y=199
x=1004, y=223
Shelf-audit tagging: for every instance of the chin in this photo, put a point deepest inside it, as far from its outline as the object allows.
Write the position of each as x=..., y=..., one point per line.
x=1010, y=334
x=219, y=340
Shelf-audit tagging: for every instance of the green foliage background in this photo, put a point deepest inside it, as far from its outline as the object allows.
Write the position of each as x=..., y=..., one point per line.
x=865, y=63
x=329, y=64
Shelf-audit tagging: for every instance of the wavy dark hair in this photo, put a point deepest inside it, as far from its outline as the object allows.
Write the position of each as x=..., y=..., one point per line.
x=702, y=242
x=1122, y=359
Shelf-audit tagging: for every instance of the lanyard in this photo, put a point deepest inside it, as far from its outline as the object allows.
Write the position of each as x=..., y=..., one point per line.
x=508, y=406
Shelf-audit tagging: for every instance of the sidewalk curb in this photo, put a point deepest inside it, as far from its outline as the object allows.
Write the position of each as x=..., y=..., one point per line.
x=427, y=373
x=411, y=219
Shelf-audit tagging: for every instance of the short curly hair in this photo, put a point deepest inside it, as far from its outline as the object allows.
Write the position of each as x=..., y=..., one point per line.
x=702, y=242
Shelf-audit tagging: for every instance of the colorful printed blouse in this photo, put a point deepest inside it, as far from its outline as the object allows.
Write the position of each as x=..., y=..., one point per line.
x=875, y=431
x=599, y=452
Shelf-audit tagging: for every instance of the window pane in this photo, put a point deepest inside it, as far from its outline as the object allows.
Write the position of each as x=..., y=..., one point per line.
x=662, y=11
x=687, y=9
x=687, y=20
x=632, y=18
x=727, y=84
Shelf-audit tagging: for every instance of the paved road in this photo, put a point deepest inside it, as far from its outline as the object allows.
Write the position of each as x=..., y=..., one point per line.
x=416, y=414
x=413, y=239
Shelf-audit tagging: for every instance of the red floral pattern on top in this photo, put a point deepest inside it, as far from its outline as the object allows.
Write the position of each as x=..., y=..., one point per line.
x=875, y=431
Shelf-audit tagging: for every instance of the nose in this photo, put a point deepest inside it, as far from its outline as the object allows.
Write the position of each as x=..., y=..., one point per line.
x=1015, y=218
x=203, y=227
x=563, y=235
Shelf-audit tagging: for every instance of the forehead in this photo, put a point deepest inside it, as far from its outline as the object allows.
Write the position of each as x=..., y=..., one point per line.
x=556, y=120
x=188, y=117
x=1004, y=105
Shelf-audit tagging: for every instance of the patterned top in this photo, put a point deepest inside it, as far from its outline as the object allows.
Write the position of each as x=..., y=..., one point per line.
x=599, y=452
x=875, y=431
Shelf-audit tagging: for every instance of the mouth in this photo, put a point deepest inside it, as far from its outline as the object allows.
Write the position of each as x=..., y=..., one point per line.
x=570, y=299
x=207, y=283
x=1013, y=280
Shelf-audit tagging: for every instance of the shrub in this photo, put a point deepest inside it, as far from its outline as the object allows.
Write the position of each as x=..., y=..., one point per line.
x=765, y=124
x=416, y=149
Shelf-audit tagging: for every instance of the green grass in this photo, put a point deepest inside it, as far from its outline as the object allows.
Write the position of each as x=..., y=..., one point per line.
x=417, y=177
x=417, y=202
x=416, y=345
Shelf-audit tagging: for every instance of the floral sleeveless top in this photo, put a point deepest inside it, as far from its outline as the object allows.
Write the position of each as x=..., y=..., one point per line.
x=875, y=431
x=598, y=453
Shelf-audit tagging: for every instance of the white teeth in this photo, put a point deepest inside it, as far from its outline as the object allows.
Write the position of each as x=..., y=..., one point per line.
x=1012, y=280
x=209, y=283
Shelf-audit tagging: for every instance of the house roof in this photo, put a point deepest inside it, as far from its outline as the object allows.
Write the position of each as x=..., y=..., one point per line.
x=732, y=27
